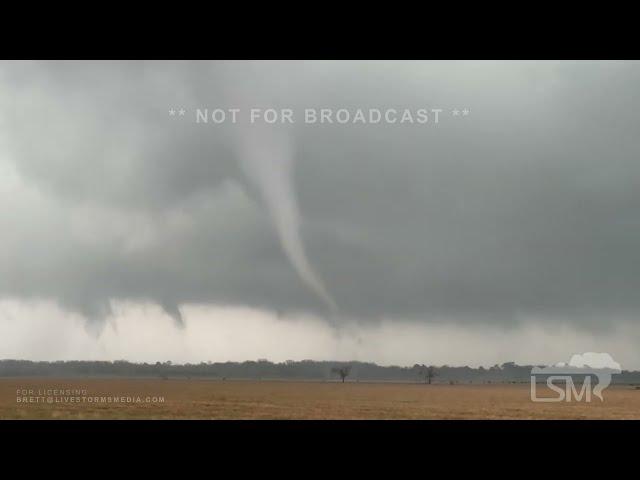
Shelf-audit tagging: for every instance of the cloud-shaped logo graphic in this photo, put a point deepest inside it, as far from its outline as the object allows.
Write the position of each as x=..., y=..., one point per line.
x=594, y=360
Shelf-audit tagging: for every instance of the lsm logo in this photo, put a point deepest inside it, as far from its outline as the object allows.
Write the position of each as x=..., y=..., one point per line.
x=575, y=380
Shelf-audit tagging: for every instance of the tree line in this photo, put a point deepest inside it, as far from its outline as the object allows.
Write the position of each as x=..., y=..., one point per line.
x=289, y=370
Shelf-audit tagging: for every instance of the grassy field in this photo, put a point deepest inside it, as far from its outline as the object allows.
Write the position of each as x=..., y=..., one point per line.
x=215, y=399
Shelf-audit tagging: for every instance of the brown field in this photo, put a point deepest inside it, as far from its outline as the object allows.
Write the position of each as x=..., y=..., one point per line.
x=215, y=399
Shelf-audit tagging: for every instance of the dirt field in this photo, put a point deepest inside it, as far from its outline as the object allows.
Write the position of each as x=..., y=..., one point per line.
x=28, y=398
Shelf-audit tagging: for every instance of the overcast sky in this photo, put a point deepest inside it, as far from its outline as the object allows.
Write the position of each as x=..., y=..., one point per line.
x=507, y=233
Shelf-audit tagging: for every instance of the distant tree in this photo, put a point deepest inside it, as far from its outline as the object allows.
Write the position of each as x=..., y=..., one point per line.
x=342, y=371
x=427, y=372
x=158, y=369
x=431, y=372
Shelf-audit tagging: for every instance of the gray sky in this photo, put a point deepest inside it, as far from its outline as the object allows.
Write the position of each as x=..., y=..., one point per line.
x=510, y=233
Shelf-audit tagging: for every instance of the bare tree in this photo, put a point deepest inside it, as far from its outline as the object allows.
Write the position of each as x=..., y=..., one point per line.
x=427, y=372
x=431, y=372
x=342, y=371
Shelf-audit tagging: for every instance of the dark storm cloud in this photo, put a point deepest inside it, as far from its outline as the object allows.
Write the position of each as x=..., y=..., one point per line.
x=528, y=205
